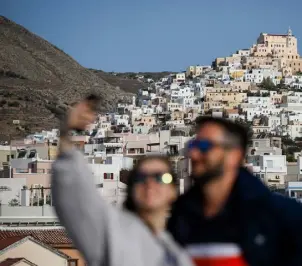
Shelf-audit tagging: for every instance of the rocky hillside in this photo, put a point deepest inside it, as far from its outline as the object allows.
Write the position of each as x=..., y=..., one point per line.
x=123, y=82
x=128, y=82
x=38, y=81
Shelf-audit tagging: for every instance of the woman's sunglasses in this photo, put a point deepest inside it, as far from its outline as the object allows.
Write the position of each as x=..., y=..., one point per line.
x=161, y=178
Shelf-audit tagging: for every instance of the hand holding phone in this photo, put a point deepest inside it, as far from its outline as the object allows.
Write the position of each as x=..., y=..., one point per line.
x=81, y=114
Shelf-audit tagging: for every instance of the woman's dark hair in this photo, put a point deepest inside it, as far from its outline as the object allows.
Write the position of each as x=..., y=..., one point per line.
x=94, y=101
x=129, y=202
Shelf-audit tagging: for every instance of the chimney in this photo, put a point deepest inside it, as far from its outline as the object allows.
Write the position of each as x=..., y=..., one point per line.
x=25, y=193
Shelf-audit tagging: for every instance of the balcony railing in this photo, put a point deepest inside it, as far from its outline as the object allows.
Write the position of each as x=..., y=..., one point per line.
x=113, y=144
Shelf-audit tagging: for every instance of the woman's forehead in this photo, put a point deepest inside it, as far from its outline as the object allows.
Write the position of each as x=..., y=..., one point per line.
x=154, y=164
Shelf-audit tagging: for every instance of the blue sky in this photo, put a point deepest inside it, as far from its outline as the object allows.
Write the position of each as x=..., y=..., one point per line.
x=157, y=35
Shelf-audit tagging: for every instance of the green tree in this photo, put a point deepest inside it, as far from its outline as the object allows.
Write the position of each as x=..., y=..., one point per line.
x=14, y=202
x=290, y=158
x=246, y=124
x=293, y=149
x=282, y=85
x=132, y=76
x=287, y=141
x=267, y=84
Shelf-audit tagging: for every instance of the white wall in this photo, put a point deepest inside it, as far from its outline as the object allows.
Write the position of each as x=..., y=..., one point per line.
x=113, y=165
x=273, y=163
x=14, y=185
x=35, y=253
x=27, y=211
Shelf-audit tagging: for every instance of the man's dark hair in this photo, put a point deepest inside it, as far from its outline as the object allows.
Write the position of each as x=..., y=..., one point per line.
x=234, y=132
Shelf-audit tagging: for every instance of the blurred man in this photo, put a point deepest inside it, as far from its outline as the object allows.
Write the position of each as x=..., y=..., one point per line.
x=229, y=217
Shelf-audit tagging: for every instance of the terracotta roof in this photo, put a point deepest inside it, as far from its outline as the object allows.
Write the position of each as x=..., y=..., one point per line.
x=231, y=111
x=11, y=241
x=4, y=243
x=50, y=237
x=13, y=261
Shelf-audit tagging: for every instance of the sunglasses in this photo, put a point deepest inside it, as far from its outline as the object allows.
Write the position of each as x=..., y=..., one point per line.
x=161, y=178
x=204, y=145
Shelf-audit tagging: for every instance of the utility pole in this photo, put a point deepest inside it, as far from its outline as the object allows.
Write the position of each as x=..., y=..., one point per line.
x=10, y=156
x=10, y=146
x=48, y=151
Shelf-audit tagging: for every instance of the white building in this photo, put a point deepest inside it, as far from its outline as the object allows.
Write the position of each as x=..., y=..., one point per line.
x=260, y=101
x=181, y=77
x=251, y=112
x=270, y=168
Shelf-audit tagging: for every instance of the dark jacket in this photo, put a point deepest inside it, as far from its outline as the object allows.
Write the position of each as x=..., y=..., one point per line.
x=259, y=212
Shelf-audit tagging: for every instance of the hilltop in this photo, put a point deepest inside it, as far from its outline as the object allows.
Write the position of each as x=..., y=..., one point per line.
x=128, y=81
x=38, y=81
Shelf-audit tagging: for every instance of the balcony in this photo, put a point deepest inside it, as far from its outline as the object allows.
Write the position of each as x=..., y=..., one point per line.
x=113, y=144
x=275, y=169
x=138, y=151
x=114, y=151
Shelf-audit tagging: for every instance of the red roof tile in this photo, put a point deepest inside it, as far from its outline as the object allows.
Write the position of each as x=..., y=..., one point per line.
x=232, y=111
x=4, y=243
x=50, y=237
x=13, y=261
x=9, y=261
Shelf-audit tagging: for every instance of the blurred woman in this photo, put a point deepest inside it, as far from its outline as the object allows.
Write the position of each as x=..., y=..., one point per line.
x=151, y=190
x=105, y=235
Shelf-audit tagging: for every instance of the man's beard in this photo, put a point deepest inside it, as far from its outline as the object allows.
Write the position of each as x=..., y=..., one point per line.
x=209, y=175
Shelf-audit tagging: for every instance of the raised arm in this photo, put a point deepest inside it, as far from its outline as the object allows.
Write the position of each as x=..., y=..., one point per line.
x=77, y=202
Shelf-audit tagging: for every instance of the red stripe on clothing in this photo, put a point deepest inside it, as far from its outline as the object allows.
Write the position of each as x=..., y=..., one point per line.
x=239, y=261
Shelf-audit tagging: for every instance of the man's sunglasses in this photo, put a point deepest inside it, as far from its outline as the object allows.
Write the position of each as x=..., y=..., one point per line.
x=161, y=178
x=204, y=145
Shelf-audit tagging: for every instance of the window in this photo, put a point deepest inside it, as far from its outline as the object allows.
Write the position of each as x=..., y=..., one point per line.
x=270, y=163
x=73, y=263
x=9, y=156
x=108, y=176
x=131, y=151
x=18, y=170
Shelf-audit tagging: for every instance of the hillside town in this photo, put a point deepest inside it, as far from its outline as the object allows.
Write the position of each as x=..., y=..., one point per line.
x=259, y=87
